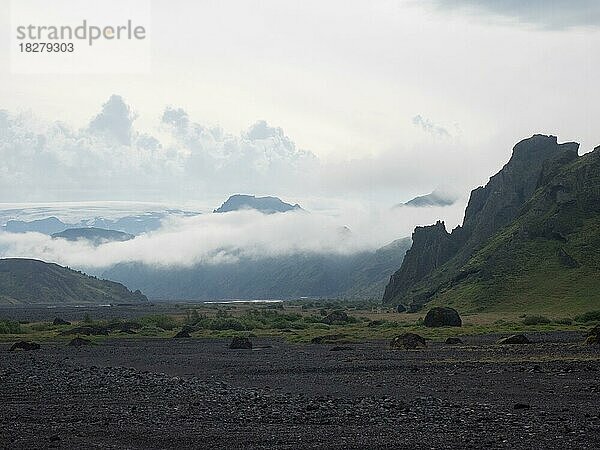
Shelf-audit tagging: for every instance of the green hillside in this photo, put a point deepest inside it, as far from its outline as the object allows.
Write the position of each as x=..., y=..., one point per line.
x=29, y=282
x=546, y=260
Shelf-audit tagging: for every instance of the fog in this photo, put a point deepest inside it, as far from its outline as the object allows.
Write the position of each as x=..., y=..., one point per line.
x=222, y=238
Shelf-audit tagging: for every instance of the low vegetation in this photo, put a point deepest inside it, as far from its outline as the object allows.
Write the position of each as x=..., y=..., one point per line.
x=294, y=322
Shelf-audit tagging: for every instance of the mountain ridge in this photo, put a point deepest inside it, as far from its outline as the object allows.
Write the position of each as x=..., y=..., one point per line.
x=439, y=265
x=35, y=282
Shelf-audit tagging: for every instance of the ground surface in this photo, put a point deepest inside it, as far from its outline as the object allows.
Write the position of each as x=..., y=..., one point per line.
x=196, y=393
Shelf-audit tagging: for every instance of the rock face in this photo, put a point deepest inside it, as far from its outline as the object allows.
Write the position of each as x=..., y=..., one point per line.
x=24, y=345
x=239, y=343
x=442, y=317
x=431, y=247
x=408, y=341
x=437, y=257
x=514, y=339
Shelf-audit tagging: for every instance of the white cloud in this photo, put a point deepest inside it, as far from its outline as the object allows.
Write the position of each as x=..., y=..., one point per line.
x=217, y=238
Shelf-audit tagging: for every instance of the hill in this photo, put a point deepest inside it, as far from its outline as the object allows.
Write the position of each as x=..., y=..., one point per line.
x=266, y=205
x=529, y=240
x=360, y=275
x=435, y=198
x=29, y=282
x=94, y=235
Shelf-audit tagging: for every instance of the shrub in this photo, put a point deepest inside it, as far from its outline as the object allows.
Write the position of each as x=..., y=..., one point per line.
x=535, y=320
x=589, y=316
x=223, y=323
x=564, y=321
x=10, y=327
x=160, y=321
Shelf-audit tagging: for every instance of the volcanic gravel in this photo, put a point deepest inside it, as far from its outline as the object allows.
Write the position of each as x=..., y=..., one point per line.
x=196, y=393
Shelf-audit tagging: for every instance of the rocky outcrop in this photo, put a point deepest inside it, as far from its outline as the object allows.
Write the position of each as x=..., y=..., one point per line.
x=239, y=343
x=533, y=162
x=453, y=341
x=25, y=346
x=514, y=339
x=184, y=333
x=593, y=336
x=409, y=341
x=431, y=247
x=442, y=317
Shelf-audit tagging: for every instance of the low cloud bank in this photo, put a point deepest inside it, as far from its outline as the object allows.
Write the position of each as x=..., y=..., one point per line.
x=224, y=238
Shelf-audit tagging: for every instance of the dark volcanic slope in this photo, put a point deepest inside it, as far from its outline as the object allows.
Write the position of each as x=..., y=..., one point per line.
x=198, y=394
x=28, y=281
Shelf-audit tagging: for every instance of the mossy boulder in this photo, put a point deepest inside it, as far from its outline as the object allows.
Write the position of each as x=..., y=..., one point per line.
x=442, y=317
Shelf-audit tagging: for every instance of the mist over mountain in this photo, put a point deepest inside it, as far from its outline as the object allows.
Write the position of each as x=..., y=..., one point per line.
x=358, y=275
x=528, y=236
x=435, y=198
x=267, y=205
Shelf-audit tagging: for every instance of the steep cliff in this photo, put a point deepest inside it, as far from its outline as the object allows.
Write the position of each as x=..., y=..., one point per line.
x=544, y=194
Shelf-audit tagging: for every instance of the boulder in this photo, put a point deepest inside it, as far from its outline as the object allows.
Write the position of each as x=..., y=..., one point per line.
x=59, y=321
x=79, y=342
x=442, y=317
x=593, y=336
x=335, y=317
x=184, y=333
x=24, y=345
x=340, y=348
x=408, y=341
x=521, y=406
x=400, y=308
x=514, y=339
x=453, y=341
x=238, y=343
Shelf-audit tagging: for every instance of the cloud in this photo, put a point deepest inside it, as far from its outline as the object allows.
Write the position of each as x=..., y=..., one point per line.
x=111, y=160
x=429, y=127
x=115, y=119
x=224, y=238
x=546, y=14
x=182, y=159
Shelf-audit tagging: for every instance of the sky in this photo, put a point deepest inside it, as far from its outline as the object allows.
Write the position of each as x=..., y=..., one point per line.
x=373, y=100
x=337, y=105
